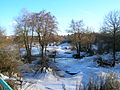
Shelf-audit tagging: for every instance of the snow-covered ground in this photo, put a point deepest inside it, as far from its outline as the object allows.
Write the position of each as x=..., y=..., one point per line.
x=72, y=71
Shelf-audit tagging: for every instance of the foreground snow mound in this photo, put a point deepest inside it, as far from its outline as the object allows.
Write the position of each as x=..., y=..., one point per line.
x=31, y=86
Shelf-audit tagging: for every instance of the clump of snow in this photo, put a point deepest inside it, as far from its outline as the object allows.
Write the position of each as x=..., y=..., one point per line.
x=106, y=56
x=94, y=47
x=3, y=76
x=35, y=51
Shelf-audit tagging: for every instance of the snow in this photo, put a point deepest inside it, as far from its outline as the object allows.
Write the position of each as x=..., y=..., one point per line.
x=84, y=69
x=94, y=47
x=3, y=76
x=35, y=51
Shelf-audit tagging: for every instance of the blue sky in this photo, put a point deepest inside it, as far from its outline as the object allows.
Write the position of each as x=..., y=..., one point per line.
x=92, y=12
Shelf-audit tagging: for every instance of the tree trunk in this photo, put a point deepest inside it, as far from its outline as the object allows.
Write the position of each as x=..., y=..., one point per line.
x=45, y=50
x=29, y=55
x=79, y=49
x=42, y=51
x=114, y=49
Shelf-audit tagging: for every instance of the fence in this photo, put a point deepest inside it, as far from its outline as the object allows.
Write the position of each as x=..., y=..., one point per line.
x=4, y=85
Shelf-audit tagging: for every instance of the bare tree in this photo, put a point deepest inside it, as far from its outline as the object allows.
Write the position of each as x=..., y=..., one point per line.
x=25, y=32
x=45, y=28
x=2, y=37
x=76, y=28
x=88, y=40
x=112, y=25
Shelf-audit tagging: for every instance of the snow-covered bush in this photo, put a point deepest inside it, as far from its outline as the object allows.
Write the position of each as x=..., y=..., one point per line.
x=43, y=65
x=104, y=61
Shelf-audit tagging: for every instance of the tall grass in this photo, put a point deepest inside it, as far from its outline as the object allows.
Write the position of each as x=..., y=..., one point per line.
x=110, y=81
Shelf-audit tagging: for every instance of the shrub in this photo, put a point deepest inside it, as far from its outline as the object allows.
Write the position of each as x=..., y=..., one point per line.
x=77, y=56
x=8, y=62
